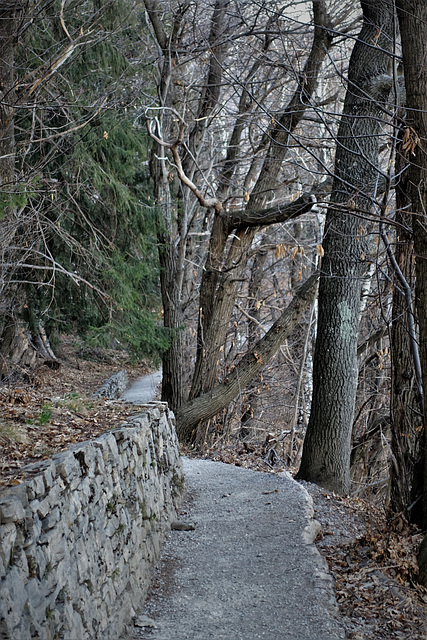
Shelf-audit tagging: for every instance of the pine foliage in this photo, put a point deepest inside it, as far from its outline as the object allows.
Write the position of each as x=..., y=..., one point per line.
x=83, y=182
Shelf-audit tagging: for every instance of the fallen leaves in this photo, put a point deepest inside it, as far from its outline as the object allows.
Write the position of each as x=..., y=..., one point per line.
x=247, y=455
x=52, y=411
x=375, y=581
x=375, y=573
x=30, y=432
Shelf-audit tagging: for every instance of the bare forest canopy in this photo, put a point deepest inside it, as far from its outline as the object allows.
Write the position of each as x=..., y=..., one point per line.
x=180, y=179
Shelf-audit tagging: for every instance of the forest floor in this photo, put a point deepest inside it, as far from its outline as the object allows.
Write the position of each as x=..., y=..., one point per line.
x=372, y=558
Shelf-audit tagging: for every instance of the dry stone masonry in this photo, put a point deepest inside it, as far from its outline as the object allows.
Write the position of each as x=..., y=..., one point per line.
x=113, y=387
x=79, y=537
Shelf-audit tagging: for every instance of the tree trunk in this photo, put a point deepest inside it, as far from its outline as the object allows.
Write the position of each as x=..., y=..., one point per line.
x=8, y=36
x=172, y=359
x=223, y=272
x=7, y=100
x=412, y=16
x=406, y=416
x=13, y=341
x=212, y=402
x=326, y=453
x=173, y=207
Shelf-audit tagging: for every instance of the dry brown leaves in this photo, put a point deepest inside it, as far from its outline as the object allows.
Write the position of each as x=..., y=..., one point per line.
x=54, y=409
x=375, y=574
x=376, y=581
x=253, y=456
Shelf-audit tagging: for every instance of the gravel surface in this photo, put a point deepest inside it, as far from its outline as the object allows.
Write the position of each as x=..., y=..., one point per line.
x=248, y=570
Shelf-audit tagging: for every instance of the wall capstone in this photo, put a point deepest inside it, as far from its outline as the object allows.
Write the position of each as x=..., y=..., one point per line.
x=80, y=536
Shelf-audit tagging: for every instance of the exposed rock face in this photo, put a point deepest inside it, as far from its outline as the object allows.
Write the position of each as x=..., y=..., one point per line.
x=79, y=538
x=113, y=387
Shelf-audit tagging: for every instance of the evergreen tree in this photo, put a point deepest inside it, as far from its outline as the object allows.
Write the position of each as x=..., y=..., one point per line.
x=87, y=226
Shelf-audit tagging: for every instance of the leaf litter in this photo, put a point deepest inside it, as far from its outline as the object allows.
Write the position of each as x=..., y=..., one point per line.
x=48, y=410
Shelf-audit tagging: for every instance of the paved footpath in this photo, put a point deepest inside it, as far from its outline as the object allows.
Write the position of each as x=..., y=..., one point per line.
x=144, y=389
x=248, y=570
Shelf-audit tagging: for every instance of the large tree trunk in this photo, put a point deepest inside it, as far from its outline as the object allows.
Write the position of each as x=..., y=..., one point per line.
x=326, y=453
x=10, y=332
x=170, y=244
x=413, y=29
x=7, y=101
x=172, y=359
x=406, y=416
x=173, y=207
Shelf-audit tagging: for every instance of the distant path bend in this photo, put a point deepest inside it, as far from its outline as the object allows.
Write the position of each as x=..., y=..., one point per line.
x=144, y=389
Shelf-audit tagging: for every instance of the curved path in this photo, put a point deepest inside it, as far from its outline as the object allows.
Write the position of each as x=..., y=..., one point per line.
x=248, y=570
x=144, y=389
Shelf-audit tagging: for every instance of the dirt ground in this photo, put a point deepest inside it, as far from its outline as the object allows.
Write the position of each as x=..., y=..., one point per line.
x=372, y=559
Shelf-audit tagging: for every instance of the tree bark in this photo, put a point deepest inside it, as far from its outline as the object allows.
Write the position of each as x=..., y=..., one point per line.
x=7, y=95
x=412, y=16
x=212, y=402
x=406, y=415
x=326, y=452
x=173, y=207
x=226, y=263
x=10, y=332
x=170, y=243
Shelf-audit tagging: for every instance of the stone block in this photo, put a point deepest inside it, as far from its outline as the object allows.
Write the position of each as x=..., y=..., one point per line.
x=42, y=508
x=55, y=546
x=35, y=594
x=67, y=466
x=88, y=563
x=51, y=519
x=12, y=598
x=7, y=544
x=11, y=510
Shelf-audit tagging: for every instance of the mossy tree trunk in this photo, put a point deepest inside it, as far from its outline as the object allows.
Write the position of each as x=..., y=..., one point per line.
x=326, y=452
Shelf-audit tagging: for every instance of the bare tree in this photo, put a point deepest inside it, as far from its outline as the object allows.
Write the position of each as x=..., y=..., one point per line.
x=412, y=16
x=244, y=191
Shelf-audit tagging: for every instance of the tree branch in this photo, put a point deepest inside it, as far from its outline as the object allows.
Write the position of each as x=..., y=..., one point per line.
x=209, y=404
x=279, y=213
x=173, y=147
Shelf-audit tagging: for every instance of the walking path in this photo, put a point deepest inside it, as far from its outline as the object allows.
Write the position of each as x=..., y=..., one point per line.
x=144, y=389
x=247, y=568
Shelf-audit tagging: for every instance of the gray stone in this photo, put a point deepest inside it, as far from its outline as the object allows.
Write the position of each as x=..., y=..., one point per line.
x=144, y=622
x=84, y=540
x=12, y=598
x=7, y=543
x=20, y=562
x=181, y=525
x=51, y=519
x=66, y=465
x=113, y=387
x=11, y=510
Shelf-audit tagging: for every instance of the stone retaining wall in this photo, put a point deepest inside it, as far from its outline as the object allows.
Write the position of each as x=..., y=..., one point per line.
x=79, y=537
